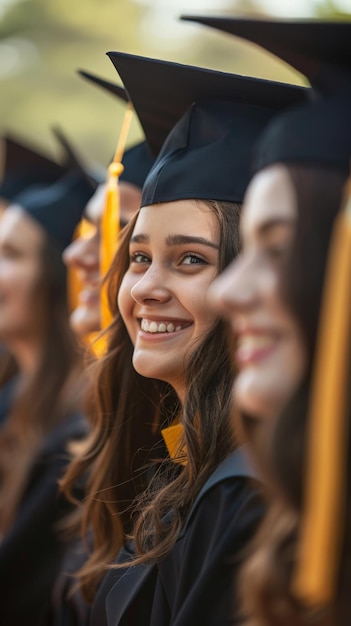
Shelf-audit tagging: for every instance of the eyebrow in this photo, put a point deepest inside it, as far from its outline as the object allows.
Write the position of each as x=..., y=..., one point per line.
x=177, y=240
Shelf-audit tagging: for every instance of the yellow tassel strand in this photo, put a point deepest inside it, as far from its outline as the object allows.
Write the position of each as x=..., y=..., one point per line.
x=172, y=436
x=323, y=522
x=110, y=217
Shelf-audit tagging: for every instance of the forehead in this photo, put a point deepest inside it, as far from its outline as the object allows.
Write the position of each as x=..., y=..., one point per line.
x=270, y=197
x=95, y=206
x=188, y=217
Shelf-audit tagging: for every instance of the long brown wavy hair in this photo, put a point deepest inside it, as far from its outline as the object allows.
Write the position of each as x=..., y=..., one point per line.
x=266, y=577
x=54, y=390
x=129, y=413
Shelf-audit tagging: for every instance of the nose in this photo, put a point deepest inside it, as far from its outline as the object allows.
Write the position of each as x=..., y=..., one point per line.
x=83, y=253
x=151, y=288
x=235, y=290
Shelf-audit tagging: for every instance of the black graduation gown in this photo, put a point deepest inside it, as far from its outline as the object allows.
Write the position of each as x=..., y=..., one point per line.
x=194, y=584
x=30, y=554
x=68, y=605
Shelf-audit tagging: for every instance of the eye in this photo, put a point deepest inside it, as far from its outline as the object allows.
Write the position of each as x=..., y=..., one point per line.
x=277, y=251
x=192, y=259
x=139, y=257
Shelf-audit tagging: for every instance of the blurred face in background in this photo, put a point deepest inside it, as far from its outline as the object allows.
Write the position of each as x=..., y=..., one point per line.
x=269, y=351
x=83, y=255
x=21, y=243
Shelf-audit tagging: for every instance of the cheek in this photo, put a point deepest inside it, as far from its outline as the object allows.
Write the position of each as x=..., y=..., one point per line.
x=125, y=302
x=196, y=297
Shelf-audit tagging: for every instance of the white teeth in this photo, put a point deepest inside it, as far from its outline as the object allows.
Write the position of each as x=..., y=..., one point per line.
x=162, y=327
x=254, y=342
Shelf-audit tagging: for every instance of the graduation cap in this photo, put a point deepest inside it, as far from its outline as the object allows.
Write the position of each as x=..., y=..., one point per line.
x=318, y=134
x=318, y=49
x=321, y=50
x=137, y=160
x=94, y=175
x=58, y=208
x=205, y=121
x=25, y=166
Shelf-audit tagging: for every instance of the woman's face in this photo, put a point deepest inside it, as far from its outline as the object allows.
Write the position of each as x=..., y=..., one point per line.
x=162, y=299
x=21, y=241
x=83, y=256
x=269, y=353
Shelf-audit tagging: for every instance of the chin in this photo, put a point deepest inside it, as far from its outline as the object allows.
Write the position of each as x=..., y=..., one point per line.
x=84, y=321
x=254, y=400
x=149, y=369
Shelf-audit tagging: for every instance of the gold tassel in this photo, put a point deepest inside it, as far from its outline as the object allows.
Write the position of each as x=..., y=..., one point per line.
x=110, y=217
x=323, y=521
x=172, y=436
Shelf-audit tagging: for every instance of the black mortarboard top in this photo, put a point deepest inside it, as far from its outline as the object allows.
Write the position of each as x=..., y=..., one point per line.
x=320, y=132
x=94, y=175
x=25, y=166
x=58, y=208
x=206, y=123
x=318, y=49
x=137, y=160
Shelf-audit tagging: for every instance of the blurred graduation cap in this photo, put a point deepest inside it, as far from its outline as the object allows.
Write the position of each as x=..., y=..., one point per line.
x=318, y=133
x=95, y=175
x=318, y=49
x=201, y=123
x=321, y=51
x=23, y=166
x=137, y=160
x=58, y=207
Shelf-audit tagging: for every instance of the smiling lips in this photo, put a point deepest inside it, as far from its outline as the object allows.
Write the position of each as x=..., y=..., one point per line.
x=254, y=347
x=154, y=327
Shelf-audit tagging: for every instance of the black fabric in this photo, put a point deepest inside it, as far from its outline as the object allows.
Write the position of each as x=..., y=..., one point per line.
x=207, y=155
x=58, y=208
x=31, y=553
x=318, y=133
x=138, y=159
x=194, y=584
x=319, y=49
x=137, y=162
x=106, y=85
x=24, y=166
x=161, y=92
x=68, y=605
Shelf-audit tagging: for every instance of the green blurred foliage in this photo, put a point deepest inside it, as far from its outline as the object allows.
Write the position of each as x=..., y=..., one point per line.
x=43, y=42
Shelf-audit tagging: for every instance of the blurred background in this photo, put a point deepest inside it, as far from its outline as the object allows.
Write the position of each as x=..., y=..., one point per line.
x=43, y=42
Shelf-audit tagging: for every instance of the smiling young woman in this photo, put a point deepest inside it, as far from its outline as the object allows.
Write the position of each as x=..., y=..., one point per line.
x=41, y=369
x=291, y=325
x=168, y=359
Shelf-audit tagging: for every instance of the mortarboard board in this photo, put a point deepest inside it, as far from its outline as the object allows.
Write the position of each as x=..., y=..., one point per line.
x=205, y=122
x=94, y=175
x=319, y=133
x=58, y=208
x=318, y=49
x=24, y=166
x=137, y=160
